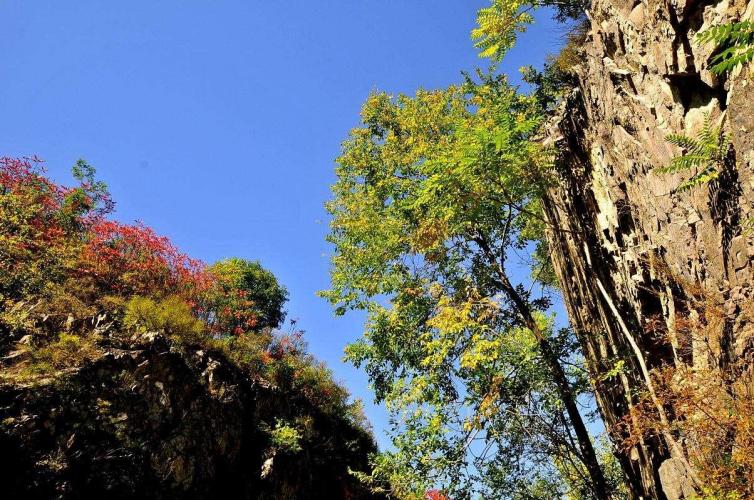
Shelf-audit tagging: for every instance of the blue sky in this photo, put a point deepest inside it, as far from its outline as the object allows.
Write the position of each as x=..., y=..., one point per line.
x=217, y=123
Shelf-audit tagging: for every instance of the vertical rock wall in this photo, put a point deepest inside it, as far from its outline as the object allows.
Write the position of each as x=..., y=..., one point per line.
x=629, y=252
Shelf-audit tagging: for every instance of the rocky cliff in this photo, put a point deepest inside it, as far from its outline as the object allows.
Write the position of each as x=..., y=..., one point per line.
x=153, y=419
x=644, y=269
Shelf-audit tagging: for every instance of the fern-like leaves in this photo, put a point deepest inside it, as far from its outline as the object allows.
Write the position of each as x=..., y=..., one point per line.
x=499, y=24
x=707, y=153
x=735, y=42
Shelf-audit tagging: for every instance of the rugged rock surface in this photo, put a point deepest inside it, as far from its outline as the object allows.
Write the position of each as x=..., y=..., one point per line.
x=627, y=250
x=153, y=420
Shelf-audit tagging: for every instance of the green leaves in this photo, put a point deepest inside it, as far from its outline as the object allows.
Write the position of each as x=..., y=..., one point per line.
x=285, y=438
x=499, y=24
x=735, y=44
x=420, y=184
x=707, y=153
x=243, y=297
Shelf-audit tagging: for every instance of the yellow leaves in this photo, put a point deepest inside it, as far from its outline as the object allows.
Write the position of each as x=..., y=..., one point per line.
x=452, y=318
x=171, y=315
x=488, y=405
x=481, y=352
x=437, y=350
x=497, y=26
x=406, y=394
x=617, y=369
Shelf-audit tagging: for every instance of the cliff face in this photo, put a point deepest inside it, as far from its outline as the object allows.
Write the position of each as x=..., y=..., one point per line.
x=154, y=420
x=641, y=267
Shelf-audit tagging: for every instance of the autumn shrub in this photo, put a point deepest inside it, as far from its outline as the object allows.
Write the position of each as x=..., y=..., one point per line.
x=171, y=315
x=30, y=235
x=250, y=352
x=70, y=277
x=44, y=227
x=559, y=74
x=435, y=494
x=571, y=54
x=66, y=351
x=711, y=403
x=713, y=416
x=123, y=259
x=243, y=297
x=315, y=381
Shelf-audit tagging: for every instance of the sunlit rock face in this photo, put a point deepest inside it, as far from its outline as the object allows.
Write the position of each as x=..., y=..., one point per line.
x=153, y=420
x=644, y=270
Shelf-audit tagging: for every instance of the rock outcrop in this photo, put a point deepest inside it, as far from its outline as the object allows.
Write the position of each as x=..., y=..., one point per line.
x=633, y=257
x=155, y=420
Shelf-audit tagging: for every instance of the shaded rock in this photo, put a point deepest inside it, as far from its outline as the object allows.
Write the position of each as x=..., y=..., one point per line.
x=158, y=421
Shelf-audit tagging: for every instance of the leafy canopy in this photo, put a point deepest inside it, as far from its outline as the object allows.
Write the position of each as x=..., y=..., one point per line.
x=424, y=172
x=424, y=187
x=243, y=297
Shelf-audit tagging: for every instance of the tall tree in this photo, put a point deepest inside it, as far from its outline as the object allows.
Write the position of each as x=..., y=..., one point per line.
x=435, y=195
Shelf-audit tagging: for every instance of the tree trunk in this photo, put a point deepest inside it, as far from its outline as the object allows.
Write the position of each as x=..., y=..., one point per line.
x=565, y=391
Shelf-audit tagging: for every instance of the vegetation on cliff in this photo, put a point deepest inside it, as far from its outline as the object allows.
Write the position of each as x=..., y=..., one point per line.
x=611, y=179
x=79, y=290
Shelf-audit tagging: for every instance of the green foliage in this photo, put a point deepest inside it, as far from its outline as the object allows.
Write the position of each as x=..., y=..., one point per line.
x=65, y=351
x=71, y=279
x=250, y=352
x=734, y=44
x=711, y=494
x=433, y=194
x=285, y=438
x=499, y=24
x=90, y=195
x=171, y=315
x=244, y=297
x=558, y=75
x=618, y=368
x=29, y=256
x=706, y=153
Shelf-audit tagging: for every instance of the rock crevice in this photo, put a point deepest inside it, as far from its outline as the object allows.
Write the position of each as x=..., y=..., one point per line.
x=630, y=252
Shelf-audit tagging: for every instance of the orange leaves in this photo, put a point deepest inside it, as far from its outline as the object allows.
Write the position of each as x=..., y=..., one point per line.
x=712, y=418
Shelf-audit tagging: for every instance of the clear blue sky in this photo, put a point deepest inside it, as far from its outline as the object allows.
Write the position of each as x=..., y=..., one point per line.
x=217, y=123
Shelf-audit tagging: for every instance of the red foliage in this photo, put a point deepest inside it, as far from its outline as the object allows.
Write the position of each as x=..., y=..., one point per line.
x=133, y=259
x=31, y=208
x=54, y=209
x=66, y=229
x=435, y=495
x=15, y=172
x=288, y=344
x=116, y=258
x=237, y=315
